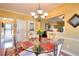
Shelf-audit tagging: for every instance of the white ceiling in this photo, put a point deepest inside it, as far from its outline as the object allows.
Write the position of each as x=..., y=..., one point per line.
x=26, y=8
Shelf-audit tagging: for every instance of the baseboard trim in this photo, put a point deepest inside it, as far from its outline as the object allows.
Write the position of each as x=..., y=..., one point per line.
x=69, y=53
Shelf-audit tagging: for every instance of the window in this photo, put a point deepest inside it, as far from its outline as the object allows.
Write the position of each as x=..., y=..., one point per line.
x=8, y=36
x=9, y=44
x=8, y=26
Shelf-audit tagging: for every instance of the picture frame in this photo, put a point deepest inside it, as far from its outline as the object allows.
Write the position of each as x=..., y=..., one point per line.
x=31, y=26
x=74, y=20
x=47, y=26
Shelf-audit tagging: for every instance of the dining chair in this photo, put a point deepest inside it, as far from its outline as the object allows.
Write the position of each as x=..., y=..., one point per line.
x=49, y=50
x=58, y=47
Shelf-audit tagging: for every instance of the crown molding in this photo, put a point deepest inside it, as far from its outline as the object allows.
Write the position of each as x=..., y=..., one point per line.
x=67, y=52
x=13, y=11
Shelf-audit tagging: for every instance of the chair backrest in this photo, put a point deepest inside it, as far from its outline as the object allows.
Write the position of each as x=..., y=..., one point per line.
x=58, y=46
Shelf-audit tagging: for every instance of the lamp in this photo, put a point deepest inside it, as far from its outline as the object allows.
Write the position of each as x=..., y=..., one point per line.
x=39, y=14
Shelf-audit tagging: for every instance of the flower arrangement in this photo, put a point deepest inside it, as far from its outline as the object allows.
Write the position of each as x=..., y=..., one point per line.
x=40, y=32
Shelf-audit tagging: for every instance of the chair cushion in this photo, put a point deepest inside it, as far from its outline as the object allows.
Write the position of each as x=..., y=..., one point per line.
x=20, y=49
x=26, y=44
x=48, y=46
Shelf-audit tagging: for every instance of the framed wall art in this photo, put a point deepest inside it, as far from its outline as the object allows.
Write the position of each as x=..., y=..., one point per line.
x=74, y=20
x=31, y=26
x=47, y=26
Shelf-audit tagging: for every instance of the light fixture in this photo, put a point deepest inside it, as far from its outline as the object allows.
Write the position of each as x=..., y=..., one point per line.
x=39, y=14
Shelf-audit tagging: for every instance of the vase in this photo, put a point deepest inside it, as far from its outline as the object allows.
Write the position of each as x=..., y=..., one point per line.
x=38, y=50
x=40, y=38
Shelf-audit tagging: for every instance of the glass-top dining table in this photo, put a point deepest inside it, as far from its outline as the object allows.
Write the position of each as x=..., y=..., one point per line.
x=38, y=48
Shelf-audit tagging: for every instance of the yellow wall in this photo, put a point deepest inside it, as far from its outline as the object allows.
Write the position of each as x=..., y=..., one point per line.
x=68, y=10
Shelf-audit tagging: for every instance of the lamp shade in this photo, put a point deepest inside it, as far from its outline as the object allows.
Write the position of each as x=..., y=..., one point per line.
x=39, y=11
x=32, y=13
x=45, y=14
x=35, y=16
x=42, y=16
